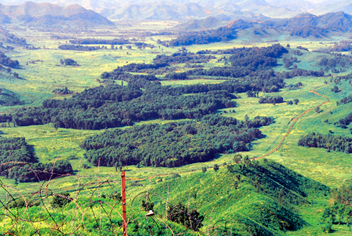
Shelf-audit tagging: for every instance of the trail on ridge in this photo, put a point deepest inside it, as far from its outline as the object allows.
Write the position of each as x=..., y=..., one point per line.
x=293, y=124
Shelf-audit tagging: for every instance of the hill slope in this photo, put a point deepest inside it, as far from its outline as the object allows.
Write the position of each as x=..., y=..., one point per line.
x=261, y=198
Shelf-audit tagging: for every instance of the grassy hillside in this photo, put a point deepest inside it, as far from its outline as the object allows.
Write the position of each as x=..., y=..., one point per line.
x=264, y=197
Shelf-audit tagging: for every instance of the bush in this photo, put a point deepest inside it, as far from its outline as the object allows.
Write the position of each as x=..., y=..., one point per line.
x=60, y=201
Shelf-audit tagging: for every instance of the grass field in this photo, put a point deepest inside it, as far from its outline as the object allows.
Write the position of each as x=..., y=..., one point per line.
x=41, y=78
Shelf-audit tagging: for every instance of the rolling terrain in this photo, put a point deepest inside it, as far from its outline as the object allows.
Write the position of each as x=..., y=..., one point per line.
x=248, y=135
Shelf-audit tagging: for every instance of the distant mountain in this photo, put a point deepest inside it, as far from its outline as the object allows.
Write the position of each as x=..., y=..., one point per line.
x=304, y=25
x=207, y=23
x=46, y=14
x=311, y=25
x=158, y=11
x=197, y=9
x=333, y=6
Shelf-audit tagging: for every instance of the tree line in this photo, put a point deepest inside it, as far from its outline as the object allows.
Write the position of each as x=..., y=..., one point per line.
x=327, y=141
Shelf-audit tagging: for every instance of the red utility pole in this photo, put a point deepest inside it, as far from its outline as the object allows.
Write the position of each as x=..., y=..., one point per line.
x=124, y=217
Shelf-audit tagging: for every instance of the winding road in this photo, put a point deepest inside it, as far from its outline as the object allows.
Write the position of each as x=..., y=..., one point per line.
x=293, y=124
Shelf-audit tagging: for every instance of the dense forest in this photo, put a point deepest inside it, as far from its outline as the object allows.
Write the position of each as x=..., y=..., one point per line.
x=114, y=106
x=174, y=144
x=18, y=162
x=329, y=141
x=100, y=41
x=252, y=62
x=6, y=61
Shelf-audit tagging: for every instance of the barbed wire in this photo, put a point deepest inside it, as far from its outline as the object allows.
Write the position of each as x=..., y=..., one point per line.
x=84, y=213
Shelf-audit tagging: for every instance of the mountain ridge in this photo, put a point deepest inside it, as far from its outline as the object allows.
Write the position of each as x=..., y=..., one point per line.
x=47, y=14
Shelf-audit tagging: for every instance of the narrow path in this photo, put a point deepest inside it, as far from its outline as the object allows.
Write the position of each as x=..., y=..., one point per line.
x=293, y=124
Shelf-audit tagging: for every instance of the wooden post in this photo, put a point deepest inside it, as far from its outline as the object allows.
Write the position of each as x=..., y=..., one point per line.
x=124, y=217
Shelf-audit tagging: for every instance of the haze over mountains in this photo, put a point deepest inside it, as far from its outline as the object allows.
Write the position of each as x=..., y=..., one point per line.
x=186, y=9
x=53, y=15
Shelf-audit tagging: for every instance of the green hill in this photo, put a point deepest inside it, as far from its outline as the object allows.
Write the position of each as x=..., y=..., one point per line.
x=262, y=198
x=9, y=98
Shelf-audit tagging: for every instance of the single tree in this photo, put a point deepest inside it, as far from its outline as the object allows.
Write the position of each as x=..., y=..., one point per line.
x=216, y=167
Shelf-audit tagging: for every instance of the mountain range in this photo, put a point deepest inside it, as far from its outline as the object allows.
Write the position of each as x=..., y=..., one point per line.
x=51, y=15
x=195, y=9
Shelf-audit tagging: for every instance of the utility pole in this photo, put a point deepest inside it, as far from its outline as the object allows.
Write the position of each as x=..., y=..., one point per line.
x=124, y=218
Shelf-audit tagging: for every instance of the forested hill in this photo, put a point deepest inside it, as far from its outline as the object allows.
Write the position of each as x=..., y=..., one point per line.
x=174, y=144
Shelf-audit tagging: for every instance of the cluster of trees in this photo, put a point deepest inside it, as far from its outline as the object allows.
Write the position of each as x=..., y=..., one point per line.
x=143, y=45
x=289, y=61
x=297, y=52
x=271, y=99
x=181, y=57
x=114, y=106
x=299, y=72
x=329, y=142
x=342, y=46
x=181, y=214
x=17, y=161
x=63, y=91
x=6, y=61
x=294, y=101
x=177, y=76
x=294, y=86
x=344, y=122
x=345, y=100
x=5, y=118
x=78, y=47
x=339, y=60
x=68, y=62
x=341, y=211
x=174, y=144
x=115, y=41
